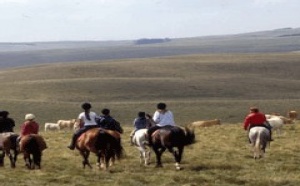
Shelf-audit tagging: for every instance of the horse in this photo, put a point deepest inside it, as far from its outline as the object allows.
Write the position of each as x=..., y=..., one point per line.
x=259, y=138
x=140, y=140
x=8, y=146
x=174, y=139
x=32, y=146
x=105, y=144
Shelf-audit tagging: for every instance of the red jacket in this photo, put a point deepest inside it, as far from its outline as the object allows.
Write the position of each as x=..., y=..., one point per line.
x=29, y=127
x=254, y=118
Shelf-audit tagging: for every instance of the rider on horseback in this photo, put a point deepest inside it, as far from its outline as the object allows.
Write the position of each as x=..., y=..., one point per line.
x=30, y=126
x=141, y=122
x=88, y=119
x=256, y=118
x=162, y=117
x=7, y=124
x=107, y=122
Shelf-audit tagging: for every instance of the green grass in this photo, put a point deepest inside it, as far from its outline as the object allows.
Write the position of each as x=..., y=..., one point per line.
x=221, y=156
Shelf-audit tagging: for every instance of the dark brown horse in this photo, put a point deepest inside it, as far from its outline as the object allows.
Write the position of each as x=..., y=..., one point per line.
x=32, y=146
x=104, y=143
x=172, y=138
x=8, y=148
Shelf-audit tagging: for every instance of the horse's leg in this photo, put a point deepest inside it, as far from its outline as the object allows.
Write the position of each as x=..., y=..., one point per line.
x=2, y=155
x=37, y=157
x=85, y=155
x=12, y=163
x=27, y=160
x=158, y=153
x=112, y=161
x=148, y=155
x=141, y=157
x=178, y=157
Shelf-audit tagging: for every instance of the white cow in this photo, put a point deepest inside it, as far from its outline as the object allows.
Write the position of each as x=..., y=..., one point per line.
x=276, y=123
x=51, y=126
x=66, y=124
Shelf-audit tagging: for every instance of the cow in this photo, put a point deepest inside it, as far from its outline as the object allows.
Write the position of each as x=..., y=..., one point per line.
x=52, y=127
x=292, y=115
x=66, y=124
x=205, y=123
x=276, y=123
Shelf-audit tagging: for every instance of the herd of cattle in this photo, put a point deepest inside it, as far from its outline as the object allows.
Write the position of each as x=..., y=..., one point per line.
x=276, y=121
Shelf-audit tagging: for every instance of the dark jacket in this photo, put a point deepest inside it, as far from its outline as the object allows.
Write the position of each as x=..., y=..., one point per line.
x=109, y=123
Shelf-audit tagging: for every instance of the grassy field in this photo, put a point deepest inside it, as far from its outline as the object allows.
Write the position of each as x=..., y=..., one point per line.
x=195, y=87
x=221, y=156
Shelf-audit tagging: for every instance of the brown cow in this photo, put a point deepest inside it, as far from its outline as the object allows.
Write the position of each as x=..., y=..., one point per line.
x=292, y=115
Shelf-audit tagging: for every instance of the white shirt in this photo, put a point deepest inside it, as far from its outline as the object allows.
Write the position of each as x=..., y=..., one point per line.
x=163, y=119
x=87, y=122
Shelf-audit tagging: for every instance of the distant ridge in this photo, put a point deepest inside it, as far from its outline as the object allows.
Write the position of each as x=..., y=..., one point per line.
x=31, y=53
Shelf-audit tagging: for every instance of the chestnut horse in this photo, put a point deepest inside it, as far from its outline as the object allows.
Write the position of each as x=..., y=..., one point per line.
x=8, y=147
x=105, y=144
x=32, y=146
x=172, y=138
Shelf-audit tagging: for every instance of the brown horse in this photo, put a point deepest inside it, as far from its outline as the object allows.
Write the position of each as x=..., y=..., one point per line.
x=32, y=146
x=104, y=143
x=172, y=138
x=8, y=147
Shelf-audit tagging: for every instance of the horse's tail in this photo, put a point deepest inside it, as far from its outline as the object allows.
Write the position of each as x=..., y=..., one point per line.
x=32, y=147
x=119, y=150
x=189, y=136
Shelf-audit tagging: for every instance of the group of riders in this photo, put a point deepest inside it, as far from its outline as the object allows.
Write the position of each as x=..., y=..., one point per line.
x=88, y=119
x=29, y=126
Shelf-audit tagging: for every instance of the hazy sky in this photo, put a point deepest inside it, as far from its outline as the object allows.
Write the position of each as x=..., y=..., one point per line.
x=56, y=20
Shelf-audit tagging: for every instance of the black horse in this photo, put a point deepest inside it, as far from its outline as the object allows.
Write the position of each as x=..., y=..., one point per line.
x=172, y=138
x=9, y=148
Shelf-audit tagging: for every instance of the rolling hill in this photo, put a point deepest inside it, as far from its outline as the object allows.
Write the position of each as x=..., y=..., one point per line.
x=25, y=54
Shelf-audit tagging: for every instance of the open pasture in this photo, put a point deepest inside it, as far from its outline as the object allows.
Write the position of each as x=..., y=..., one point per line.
x=195, y=87
x=221, y=156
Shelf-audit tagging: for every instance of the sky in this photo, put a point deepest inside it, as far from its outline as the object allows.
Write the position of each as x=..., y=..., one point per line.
x=102, y=20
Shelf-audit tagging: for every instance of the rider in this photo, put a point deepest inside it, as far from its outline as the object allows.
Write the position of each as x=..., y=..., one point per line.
x=30, y=126
x=141, y=122
x=6, y=124
x=255, y=119
x=162, y=117
x=87, y=119
x=105, y=121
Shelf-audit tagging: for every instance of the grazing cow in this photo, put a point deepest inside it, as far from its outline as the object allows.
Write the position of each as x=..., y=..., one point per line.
x=66, y=124
x=276, y=123
x=207, y=123
x=292, y=115
x=284, y=119
x=51, y=126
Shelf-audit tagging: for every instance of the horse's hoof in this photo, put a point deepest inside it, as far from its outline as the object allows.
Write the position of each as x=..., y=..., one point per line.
x=158, y=166
x=178, y=168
